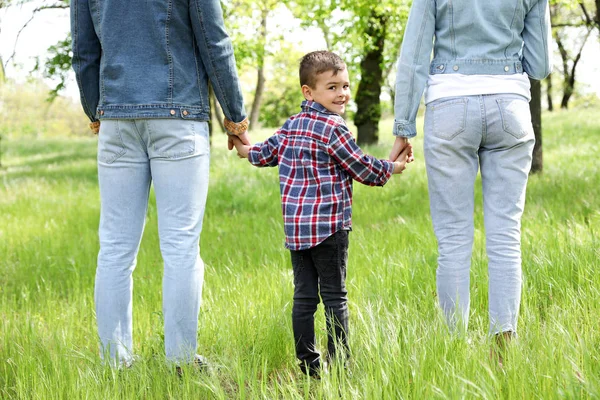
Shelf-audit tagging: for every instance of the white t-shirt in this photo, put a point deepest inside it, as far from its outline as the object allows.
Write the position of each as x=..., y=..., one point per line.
x=453, y=85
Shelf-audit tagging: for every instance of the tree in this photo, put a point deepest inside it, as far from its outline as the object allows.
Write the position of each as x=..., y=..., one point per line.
x=252, y=49
x=368, y=36
x=549, y=92
x=592, y=20
x=569, y=64
x=368, y=105
x=260, y=68
x=571, y=29
x=535, y=106
x=59, y=63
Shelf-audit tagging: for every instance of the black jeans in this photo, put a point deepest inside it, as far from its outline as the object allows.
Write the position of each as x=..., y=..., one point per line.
x=321, y=270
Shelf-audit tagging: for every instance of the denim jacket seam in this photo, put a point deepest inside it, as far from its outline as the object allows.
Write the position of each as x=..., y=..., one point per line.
x=101, y=95
x=512, y=22
x=452, y=33
x=150, y=106
x=91, y=113
x=415, y=57
x=226, y=108
x=544, y=38
x=169, y=54
x=77, y=63
x=194, y=44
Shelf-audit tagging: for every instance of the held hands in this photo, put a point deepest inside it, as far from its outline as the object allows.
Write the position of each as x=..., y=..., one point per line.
x=243, y=137
x=403, y=158
x=242, y=147
x=399, y=145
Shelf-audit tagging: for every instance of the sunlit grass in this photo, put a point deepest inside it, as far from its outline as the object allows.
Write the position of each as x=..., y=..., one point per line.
x=48, y=244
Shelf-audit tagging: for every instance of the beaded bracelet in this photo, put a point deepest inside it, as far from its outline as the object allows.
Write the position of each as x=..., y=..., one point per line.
x=236, y=128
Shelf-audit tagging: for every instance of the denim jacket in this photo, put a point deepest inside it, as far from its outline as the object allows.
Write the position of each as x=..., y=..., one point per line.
x=471, y=37
x=153, y=59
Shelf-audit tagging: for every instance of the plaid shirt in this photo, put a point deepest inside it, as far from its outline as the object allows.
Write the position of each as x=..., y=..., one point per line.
x=318, y=159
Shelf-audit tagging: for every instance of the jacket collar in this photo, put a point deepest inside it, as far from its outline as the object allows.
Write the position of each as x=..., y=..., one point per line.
x=308, y=105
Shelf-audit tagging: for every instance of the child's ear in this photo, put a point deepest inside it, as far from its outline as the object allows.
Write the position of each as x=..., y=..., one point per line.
x=307, y=92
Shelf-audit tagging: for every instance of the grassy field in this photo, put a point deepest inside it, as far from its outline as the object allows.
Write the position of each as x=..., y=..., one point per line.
x=48, y=244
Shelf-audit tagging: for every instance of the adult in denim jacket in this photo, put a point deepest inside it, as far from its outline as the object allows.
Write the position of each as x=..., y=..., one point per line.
x=477, y=116
x=143, y=69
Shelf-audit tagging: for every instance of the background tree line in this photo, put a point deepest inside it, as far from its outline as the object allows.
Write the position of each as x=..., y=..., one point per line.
x=368, y=36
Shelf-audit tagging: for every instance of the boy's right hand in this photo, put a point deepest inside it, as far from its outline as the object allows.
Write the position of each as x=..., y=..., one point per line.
x=403, y=158
x=242, y=149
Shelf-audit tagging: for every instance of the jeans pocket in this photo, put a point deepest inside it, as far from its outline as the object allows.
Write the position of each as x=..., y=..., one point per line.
x=177, y=138
x=110, y=142
x=516, y=117
x=449, y=117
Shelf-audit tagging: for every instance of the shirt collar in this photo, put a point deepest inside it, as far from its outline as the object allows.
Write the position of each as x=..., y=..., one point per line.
x=309, y=104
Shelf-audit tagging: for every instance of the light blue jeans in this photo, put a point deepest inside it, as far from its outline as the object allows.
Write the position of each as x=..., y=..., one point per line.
x=462, y=134
x=174, y=155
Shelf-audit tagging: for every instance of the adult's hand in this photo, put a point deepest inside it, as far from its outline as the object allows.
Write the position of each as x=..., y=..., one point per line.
x=243, y=137
x=399, y=144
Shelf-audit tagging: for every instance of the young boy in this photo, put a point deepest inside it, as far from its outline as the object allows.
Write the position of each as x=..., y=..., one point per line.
x=318, y=159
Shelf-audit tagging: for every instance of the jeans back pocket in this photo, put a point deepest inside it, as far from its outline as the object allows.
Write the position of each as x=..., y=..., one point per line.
x=516, y=117
x=449, y=117
x=110, y=142
x=176, y=138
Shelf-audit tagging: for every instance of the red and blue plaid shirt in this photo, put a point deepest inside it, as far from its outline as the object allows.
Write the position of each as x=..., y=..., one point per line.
x=318, y=159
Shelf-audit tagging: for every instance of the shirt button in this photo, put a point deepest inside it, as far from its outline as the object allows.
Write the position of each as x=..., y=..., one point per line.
x=455, y=68
x=506, y=68
x=172, y=112
x=185, y=113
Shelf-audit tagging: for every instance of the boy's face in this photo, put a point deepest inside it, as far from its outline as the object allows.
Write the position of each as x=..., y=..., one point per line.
x=331, y=91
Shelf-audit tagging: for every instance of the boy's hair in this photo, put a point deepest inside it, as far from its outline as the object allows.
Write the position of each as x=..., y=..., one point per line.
x=317, y=62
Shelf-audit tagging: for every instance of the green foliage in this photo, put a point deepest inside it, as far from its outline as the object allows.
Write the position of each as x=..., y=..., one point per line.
x=58, y=65
x=48, y=244
x=345, y=25
x=282, y=95
x=25, y=112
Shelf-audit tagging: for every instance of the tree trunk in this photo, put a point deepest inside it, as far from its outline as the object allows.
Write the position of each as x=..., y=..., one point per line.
x=549, y=92
x=568, y=92
x=535, y=106
x=368, y=111
x=2, y=71
x=260, y=81
x=569, y=74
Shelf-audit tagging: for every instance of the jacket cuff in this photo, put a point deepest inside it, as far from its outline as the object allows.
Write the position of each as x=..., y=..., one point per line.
x=405, y=128
x=235, y=128
x=95, y=126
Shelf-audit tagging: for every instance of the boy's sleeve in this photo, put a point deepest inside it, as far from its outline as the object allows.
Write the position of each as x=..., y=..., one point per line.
x=265, y=154
x=86, y=56
x=362, y=168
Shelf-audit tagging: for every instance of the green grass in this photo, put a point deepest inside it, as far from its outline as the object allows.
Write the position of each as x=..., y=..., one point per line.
x=49, y=207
